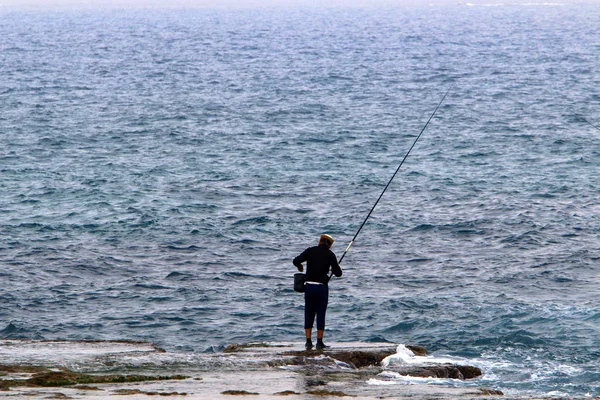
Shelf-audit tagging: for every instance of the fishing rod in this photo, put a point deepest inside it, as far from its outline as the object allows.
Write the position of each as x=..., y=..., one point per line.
x=392, y=178
x=589, y=122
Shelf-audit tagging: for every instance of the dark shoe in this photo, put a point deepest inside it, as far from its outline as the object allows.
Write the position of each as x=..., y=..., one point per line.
x=309, y=344
x=321, y=345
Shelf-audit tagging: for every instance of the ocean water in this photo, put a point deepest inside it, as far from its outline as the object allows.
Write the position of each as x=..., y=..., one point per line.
x=160, y=168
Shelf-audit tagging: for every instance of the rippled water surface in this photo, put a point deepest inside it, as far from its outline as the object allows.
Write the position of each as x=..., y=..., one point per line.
x=161, y=168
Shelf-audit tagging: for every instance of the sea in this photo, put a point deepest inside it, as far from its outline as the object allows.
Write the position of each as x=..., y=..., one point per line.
x=161, y=167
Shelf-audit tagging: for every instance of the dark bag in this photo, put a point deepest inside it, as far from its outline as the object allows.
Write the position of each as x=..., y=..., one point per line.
x=299, y=280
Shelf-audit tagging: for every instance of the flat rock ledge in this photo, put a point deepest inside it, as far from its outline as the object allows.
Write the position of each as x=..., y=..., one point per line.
x=357, y=358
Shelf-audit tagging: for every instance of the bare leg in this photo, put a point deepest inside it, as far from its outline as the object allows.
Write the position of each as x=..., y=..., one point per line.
x=320, y=333
x=308, y=332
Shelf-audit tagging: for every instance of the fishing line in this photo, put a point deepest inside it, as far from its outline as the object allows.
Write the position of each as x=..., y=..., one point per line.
x=392, y=178
x=589, y=122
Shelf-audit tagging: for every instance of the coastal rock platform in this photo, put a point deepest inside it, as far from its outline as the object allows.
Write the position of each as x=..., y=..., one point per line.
x=98, y=370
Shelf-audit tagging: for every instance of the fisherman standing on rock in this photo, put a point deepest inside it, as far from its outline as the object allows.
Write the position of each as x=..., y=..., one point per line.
x=319, y=259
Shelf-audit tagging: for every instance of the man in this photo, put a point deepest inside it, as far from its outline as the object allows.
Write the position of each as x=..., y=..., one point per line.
x=318, y=259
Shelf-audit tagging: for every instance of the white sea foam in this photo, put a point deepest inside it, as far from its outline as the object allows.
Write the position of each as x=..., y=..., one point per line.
x=380, y=382
x=404, y=356
x=395, y=378
x=557, y=393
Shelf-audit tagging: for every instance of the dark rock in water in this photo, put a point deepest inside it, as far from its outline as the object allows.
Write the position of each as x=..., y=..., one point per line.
x=491, y=392
x=356, y=359
x=365, y=358
x=441, y=371
x=418, y=350
x=469, y=372
x=360, y=359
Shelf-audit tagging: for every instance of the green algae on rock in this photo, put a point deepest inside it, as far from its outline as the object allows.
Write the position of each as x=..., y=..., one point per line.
x=239, y=393
x=15, y=369
x=333, y=393
x=491, y=392
x=127, y=392
x=64, y=378
x=86, y=387
x=68, y=378
x=236, y=347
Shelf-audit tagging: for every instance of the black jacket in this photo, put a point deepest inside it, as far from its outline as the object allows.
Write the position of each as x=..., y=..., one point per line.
x=318, y=261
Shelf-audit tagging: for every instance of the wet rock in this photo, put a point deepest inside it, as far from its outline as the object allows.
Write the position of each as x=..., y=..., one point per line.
x=418, y=350
x=491, y=392
x=239, y=393
x=363, y=359
x=354, y=359
x=336, y=393
x=445, y=371
x=315, y=382
x=10, y=368
x=285, y=393
x=66, y=377
x=360, y=359
x=58, y=396
x=237, y=347
x=469, y=372
x=85, y=387
x=54, y=378
x=308, y=361
x=127, y=392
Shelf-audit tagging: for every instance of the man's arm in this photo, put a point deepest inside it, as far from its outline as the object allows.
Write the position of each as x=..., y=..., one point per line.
x=335, y=267
x=299, y=260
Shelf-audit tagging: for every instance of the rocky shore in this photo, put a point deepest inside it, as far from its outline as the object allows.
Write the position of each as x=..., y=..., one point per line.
x=96, y=370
